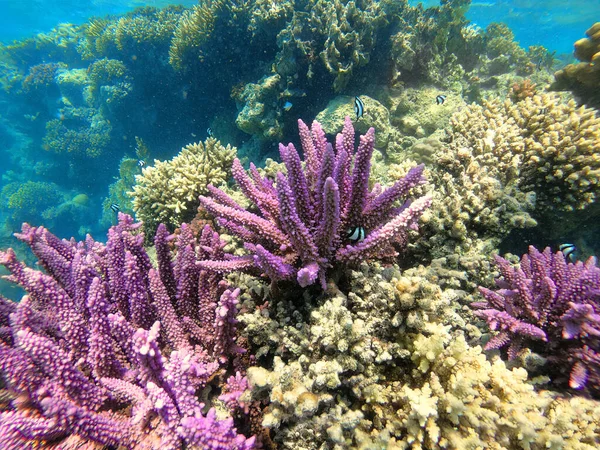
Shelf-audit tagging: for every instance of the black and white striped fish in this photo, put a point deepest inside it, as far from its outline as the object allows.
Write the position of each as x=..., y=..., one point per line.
x=440, y=99
x=355, y=234
x=209, y=132
x=115, y=207
x=569, y=250
x=359, y=107
x=141, y=163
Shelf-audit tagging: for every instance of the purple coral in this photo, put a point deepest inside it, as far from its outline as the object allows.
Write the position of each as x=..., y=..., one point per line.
x=300, y=225
x=105, y=348
x=552, y=305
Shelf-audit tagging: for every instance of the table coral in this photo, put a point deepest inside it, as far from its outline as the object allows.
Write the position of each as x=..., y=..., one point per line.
x=583, y=78
x=167, y=192
x=107, y=349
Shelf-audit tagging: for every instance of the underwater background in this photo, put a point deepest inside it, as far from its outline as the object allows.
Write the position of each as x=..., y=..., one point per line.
x=414, y=269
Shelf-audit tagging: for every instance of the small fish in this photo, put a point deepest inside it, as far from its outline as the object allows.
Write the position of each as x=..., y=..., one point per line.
x=569, y=250
x=359, y=107
x=115, y=207
x=193, y=135
x=440, y=99
x=141, y=163
x=287, y=106
x=209, y=132
x=355, y=234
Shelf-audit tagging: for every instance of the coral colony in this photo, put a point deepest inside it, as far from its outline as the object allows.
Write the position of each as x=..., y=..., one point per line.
x=318, y=213
x=547, y=299
x=103, y=347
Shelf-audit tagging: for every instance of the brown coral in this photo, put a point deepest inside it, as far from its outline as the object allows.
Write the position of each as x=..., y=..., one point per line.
x=583, y=78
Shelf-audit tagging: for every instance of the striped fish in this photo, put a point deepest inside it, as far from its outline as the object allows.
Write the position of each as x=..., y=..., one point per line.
x=355, y=234
x=569, y=251
x=209, y=132
x=440, y=99
x=115, y=207
x=359, y=107
x=141, y=163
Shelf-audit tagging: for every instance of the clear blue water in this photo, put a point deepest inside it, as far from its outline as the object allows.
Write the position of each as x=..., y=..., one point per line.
x=555, y=24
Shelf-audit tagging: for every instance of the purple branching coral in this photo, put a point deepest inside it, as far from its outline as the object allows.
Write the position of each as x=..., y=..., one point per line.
x=108, y=349
x=301, y=224
x=548, y=301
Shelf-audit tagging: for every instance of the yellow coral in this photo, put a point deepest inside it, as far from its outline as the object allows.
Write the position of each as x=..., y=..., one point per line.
x=168, y=191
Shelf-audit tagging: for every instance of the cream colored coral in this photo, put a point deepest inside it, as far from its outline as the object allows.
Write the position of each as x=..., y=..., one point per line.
x=168, y=191
x=433, y=391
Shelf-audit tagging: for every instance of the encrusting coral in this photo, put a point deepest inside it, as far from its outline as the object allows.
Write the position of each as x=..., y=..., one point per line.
x=106, y=349
x=321, y=212
x=552, y=306
x=168, y=191
x=583, y=78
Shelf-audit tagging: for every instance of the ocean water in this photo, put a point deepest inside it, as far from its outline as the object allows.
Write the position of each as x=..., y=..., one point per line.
x=110, y=107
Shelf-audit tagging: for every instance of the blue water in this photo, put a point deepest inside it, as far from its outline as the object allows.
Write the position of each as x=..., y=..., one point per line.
x=555, y=24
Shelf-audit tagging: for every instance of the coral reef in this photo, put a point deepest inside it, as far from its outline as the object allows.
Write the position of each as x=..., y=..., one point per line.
x=105, y=349
x=167, y=192
x=81, y=133
x=583, y=78
x=388, y=365
x=552, y=305
x=143, y=33
x=28, y=201
x=507, y=164
x=256, y=117
x=322, y=212
x=375, y=115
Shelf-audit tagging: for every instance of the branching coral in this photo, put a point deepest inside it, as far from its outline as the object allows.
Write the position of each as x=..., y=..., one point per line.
x=28, y=201
x=553, y=303
x=193, y=29
x=583, y=78
x=111, y=351
x=505, y=162
x=141, y=33
x=80, y=133
x=168, y=191
x=388, y=366
x=303, y=221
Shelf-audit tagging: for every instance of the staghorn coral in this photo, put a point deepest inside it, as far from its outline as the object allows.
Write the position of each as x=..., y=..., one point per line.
x=388, y=365
x=522, y=90
x=301, y=221
x=583, y=78
x=552, y=306
x=168, y=191
x=105, y=349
